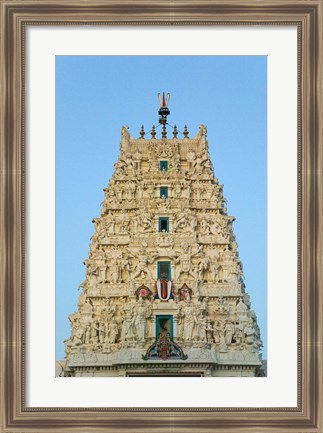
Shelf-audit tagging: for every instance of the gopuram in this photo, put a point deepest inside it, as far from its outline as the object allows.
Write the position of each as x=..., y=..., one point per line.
x=164, y=292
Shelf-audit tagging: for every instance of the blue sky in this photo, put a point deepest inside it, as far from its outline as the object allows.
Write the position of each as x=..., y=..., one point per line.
x=97, y=95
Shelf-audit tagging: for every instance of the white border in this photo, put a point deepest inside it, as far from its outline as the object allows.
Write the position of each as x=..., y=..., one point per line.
x=279, y=389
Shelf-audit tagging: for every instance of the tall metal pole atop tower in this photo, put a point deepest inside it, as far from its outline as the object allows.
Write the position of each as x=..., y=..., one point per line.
x=163, y=111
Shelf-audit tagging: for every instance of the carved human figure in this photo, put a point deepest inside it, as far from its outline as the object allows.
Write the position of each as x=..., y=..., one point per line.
x=209, y=331
x=101, y=262
x=150, y=188
x=143, y=261
x=140, y=323
x=77, y=334
x=126, y=268
x=199, y=162
x=125, y=138
x=249, y=331
x=217, y=331
x=94, y=332
x=221, y=306
x=228, y=332
x=213, y=254
x=188, y=320
x=124, y=221
x=191, y=156
x=126, y=162
x=115, y=270
x=177, y=189
x=109, y=309
x=239, y=332
x=102, y=331
x=112, y=334
x=109, y=223
x=180, y=220
x=127, y=330
x=203, y=267
x=185, y=260
x=140, y=192
x=226, y=259
x=147, y=221
x=204, y=225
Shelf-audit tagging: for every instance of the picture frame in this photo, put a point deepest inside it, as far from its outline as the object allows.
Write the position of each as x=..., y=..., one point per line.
x=15, y=17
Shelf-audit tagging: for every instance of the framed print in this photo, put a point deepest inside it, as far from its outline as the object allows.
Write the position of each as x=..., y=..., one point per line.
x=51, y=53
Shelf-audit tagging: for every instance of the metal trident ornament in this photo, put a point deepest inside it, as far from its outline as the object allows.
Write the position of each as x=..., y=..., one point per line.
x=163, y=111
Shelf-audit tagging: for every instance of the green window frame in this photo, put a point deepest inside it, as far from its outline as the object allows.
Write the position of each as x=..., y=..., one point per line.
x=163, y=224
x=164, y=191
x=162, y=269
x=163, y=165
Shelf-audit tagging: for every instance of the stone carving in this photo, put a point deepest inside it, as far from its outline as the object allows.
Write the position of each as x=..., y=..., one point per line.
x=208, y=315
x=141, y=313
x=185, y=261
x=180, y=222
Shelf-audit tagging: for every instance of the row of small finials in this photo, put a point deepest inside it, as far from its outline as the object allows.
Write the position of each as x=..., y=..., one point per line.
x=164, y=132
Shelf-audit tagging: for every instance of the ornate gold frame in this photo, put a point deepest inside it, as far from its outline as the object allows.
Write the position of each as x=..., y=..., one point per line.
x=308, y=16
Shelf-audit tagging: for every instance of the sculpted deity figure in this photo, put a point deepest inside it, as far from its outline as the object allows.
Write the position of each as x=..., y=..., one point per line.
x=177, y=189
x=226, y=259
x=185, y=260
x=228, y=332
x=143, y=261
x=191, y=156
x=124, y=221
x=126, y=267
x=125, y=138
x=188, y=320
x=199, y=324
x=218, y=331
x=250, y=332
x=126, y=162
x=127, y=330
x=140, y=191
x=199, y=163
x=150, y=188
x=180, y=220
x=109, y=223
x=109, y=309
x=112, y=334
x=221, y=306
x=102, y=331
x=199, y=190
x=115, y=270
x=239, y=335
x=213, y=256
x=147, y=221
x=141, y=314
x=131, y=190
x=204, y=225
x=77, y=334
x=216, y=228
x=163, y=203
x=193, y=223
x=203, y=266
x=209, y=331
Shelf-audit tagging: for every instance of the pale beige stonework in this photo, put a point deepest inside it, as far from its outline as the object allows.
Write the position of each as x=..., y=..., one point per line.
x=213, y=325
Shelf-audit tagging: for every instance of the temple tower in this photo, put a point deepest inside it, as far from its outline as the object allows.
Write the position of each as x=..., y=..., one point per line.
x=164, y=293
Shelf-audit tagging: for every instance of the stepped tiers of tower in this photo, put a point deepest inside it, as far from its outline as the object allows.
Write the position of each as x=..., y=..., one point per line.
x=164, y=292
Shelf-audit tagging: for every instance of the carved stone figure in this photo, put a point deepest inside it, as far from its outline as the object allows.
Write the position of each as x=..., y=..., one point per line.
x=185, y=261
x=203, y=267
x=141, y=314
x=180, y=220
